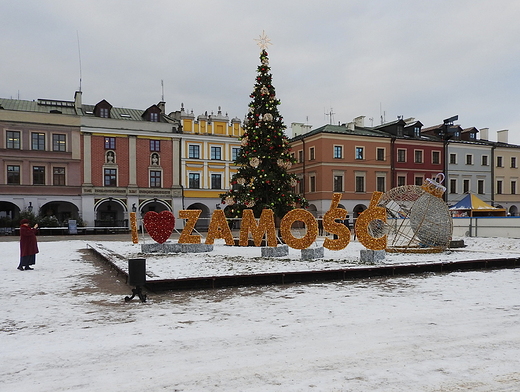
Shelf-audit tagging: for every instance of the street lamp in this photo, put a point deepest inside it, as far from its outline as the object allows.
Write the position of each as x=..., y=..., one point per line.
x=134, y=208
x=446, y=136
x=30, y=207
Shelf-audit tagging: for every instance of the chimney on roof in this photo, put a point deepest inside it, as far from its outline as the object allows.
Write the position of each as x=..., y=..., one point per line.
x=484, y=133
x=162, y=105
x=502, y=136
x=360, y=121
x=78, y=105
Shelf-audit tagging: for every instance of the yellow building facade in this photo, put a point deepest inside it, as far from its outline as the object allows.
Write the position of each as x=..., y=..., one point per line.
x=210, y=144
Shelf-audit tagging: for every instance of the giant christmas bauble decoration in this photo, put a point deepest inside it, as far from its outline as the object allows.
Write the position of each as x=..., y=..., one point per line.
x=418, y=220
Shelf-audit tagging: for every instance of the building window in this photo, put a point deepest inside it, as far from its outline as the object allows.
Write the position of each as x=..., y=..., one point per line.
x=12, y=140
x=465, y=186
x=194, y=181
x=110, y=177
x=59, y=143
x=194, y=151
x=359, y=153
x=234, y=153
x=436, y=157
x=418, y=156
x=216, y=153
x=155, y=145
x=58, y=176
x=13, y=174
x=453, y=159
x=500, y=162
x=338, y=152
x=380, y=154
x=453, y=186
x=401, y=180
x=38, y=175
x=401, y=155
x=110, y=143
x=216, y=181
x=513, y=187
x=469, y=159
x=485, y=160
x=418, y=181
x=300, y=156
x=312, y=184
x=154, y=117
x=38, y=141
x=513, y=162
x=104, y=112
x=312, y=156
x=499, y=187
x=155, y=178
x=380, y=184
x=360, y=184
x=472, y=136
x=338, y=183
x=480, y=187
x=417, y=131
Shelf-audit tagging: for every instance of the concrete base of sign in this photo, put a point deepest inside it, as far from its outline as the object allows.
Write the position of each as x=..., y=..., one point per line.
x=313, y=253
x=371, y=256
x=168, y=247
x=279, y=251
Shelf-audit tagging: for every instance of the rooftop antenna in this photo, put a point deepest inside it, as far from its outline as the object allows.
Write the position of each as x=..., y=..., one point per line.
x=79, y=54
x=331, y=116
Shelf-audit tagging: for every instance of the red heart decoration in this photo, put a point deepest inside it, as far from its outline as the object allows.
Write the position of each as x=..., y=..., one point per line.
x=159, y=225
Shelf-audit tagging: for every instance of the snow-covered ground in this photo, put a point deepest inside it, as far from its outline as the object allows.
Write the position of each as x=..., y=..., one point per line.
x=65, y=326
x=236, y=260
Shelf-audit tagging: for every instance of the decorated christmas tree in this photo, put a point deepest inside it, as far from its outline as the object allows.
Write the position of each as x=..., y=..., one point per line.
x=262, y=180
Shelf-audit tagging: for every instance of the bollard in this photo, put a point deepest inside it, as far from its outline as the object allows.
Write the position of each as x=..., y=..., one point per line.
x=137, y=278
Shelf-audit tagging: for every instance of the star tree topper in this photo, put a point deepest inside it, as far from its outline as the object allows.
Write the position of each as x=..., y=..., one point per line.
x=263, y=42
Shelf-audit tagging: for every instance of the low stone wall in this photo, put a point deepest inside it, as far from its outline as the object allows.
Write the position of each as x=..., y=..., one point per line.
x=168, y=247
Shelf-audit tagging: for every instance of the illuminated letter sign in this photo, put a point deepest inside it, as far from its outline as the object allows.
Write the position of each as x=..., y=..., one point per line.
x=302, y=215
x=370, y=214
x=218, y=228
x=266, y=225
x=330, y=225
x=192, y=216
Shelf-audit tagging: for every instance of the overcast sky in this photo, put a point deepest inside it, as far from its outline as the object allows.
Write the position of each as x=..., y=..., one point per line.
x=382, y=58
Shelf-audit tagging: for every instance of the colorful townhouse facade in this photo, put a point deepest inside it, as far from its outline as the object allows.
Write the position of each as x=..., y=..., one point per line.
x=40, y=159
x=98, y=163
x=130, y=162
x=400, y=153
x=505, y=160
x=414, y=156
x=63, y=159
x=210, y=144
x=347, y=159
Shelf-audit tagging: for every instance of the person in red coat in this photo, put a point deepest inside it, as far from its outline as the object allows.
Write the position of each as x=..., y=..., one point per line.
x=28, y=245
